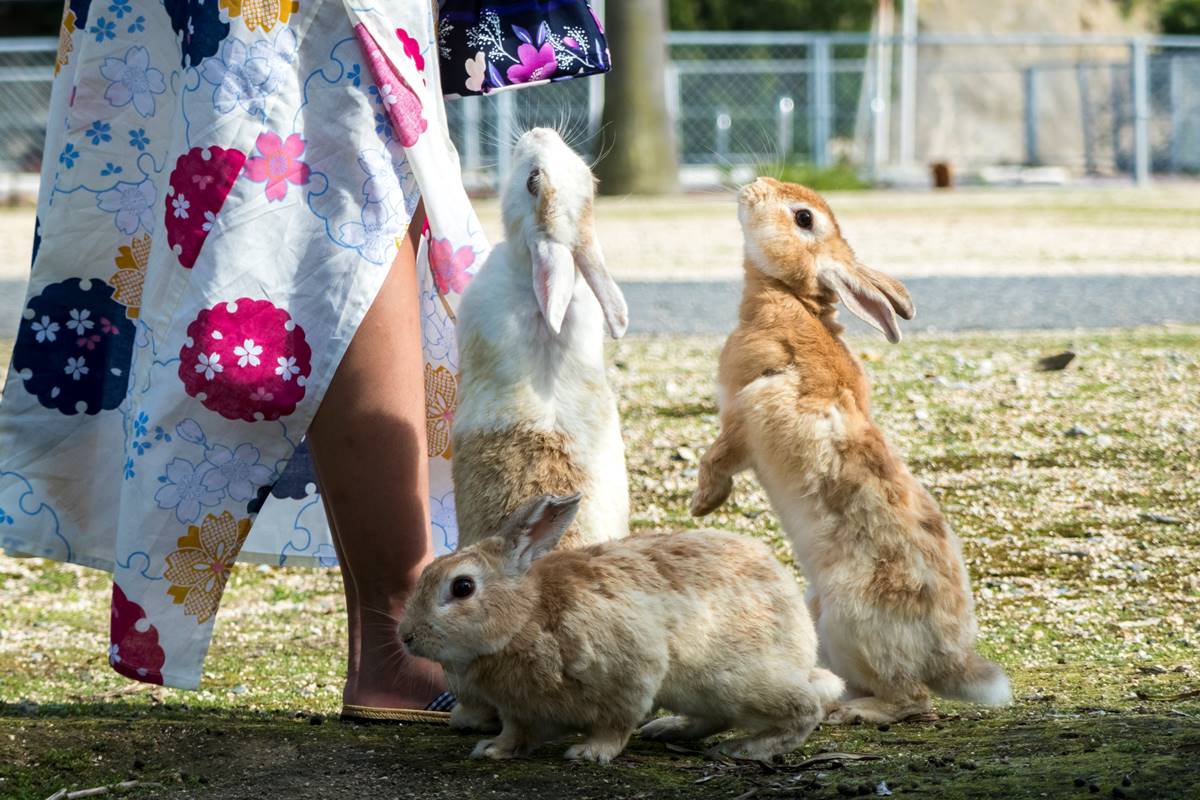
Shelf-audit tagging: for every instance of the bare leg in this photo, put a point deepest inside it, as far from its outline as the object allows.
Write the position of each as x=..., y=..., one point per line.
x=368, y=443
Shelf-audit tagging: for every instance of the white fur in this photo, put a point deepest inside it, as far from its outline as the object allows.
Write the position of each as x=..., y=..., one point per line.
x=515, y=369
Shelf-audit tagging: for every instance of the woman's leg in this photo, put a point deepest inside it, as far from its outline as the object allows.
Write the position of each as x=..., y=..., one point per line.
x=368, y=443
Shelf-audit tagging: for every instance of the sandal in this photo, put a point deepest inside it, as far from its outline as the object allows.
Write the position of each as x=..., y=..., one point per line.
x=436, y=713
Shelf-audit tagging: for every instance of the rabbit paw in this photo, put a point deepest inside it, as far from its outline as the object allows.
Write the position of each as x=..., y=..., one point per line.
x=488, y=748
x=598, y=752
x=469, y=717
x=710, y=494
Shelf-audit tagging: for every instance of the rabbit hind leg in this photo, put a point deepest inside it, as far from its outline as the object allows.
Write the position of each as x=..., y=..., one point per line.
x=681, y=728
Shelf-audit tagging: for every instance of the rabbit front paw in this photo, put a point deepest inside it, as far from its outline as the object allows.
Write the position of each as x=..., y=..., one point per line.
x=488, y=748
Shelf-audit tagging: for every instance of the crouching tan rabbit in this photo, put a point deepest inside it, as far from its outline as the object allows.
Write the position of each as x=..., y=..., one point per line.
x=888, y=588
x=704, y=623
x=537, y=415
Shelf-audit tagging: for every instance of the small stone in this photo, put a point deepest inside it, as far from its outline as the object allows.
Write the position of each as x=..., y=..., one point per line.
x=865, y=789
x=1080, y=782
x=1078, y=431
x=1093, y=788
x=683, y=454
x=885, y=727
x=1126, y=781
x=239, y=689
x=138, y=763
x=316, y=719
x=882, y=790
x=967, y=764
x=846, y=790
x=1119, y=792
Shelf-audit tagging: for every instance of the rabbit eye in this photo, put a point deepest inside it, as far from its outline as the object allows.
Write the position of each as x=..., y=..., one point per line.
x=535, y=178
x=462, y=587
x=804, y=219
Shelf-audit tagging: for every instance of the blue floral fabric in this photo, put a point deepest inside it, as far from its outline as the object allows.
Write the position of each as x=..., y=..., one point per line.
x=223, y=190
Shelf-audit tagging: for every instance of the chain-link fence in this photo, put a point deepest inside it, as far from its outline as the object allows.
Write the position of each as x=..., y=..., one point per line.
x=1092, y=105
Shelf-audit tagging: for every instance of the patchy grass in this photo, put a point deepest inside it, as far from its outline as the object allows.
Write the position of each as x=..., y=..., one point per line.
x=1084, y=552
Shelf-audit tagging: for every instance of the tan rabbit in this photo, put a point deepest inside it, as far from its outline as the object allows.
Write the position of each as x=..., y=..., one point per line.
x=888, y=588
x=704, y=623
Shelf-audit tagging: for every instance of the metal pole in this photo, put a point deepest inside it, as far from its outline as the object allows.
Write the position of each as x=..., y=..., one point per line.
x=1178, y=113
x=1087, y=119
x=1031, y=138
x=723, y=123
x=784, y=121
x=820, y=91
x=881, y=99
x=471, y=155
x=908, y=84
x=505, y=127
x=1141, y=113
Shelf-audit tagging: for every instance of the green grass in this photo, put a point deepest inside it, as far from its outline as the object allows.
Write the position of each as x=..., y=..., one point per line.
x=1092, y=607
x=838, y=178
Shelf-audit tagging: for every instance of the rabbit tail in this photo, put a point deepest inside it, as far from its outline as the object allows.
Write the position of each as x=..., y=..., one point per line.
x=979, y=681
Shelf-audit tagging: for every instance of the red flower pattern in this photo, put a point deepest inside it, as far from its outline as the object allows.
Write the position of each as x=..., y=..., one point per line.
x=134, y=650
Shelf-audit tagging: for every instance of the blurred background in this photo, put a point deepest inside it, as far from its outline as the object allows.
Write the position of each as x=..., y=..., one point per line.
x=842, y=94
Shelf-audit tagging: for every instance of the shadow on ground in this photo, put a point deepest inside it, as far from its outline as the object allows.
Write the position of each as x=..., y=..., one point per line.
x=224, y=754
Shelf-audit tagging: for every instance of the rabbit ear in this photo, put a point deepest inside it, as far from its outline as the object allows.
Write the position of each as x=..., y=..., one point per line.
x=553, y=279
x=590, y=261
x=871, y=296
x=535, y=528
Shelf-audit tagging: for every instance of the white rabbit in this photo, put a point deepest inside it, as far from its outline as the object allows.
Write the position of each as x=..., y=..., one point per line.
x=705, y=623
x=536, y=414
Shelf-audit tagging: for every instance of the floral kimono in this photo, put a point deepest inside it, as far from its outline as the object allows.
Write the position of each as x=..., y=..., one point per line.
x=224, y=187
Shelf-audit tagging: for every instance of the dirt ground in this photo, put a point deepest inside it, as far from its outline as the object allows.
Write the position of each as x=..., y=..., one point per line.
x=1050, y=231
x=1075, y=494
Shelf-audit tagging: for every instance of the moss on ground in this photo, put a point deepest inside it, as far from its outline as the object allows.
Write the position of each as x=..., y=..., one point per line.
x=1083, y=548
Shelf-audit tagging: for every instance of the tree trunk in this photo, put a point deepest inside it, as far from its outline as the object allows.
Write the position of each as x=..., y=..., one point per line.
x=638, y=131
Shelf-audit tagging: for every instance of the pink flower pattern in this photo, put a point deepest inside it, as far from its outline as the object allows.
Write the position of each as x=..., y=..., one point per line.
x=402, y=104
x=411, y=48
x=200, y=183
x=450, y=266
x=133, y=648
x=279, y=164
x=217, y=368
x=537, y=64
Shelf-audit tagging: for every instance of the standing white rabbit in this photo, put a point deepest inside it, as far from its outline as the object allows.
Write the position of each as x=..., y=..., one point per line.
x=537, y=416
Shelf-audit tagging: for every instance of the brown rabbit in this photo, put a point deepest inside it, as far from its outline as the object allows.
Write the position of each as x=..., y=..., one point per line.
x=888, y=589
x=706, y=623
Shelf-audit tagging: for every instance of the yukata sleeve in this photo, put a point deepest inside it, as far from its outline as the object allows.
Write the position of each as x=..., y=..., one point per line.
x=487, y=46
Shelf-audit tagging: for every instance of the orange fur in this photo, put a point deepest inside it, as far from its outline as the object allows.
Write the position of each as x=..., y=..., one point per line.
x=888, y=586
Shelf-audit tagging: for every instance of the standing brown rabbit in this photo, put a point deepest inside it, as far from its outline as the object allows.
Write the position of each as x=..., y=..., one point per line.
x=888, y=589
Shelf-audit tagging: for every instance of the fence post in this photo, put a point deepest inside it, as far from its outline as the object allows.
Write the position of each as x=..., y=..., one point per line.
x=471, y=155
x=908, y=83
x=881, y=95
x=1086, y=118
x=1178, y=112
x=504, y=135
x=723, y=123
x=1029, y=75
x=820, y=91
x=784, y=120
x=1141, y=112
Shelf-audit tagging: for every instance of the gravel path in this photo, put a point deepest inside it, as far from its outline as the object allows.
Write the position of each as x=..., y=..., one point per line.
x=950, y=304
x=973, y=259
x=943, y=303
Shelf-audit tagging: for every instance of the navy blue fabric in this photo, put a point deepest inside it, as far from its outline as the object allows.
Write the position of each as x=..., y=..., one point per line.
x=485, y=46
